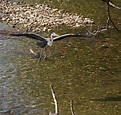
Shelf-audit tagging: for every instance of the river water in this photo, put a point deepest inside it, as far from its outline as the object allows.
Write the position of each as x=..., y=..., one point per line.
x=80, y=70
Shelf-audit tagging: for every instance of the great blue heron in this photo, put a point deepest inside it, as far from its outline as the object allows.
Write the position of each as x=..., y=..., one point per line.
x=47, y=41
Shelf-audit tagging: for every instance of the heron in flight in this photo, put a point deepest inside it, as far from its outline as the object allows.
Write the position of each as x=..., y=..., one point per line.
x=45, y=42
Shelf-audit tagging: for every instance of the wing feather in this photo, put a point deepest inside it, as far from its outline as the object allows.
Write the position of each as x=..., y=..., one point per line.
x=30, y=35
x=71, y=35
x=62, y=37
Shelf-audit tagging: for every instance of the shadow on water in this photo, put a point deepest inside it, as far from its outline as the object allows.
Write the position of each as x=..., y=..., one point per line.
x=118, y=98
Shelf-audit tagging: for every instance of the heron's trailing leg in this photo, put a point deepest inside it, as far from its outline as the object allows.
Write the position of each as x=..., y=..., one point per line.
x=45, y=53
x=41, y=54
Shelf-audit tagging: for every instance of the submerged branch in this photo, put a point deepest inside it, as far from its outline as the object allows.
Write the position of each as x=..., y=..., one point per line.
x=71, y=106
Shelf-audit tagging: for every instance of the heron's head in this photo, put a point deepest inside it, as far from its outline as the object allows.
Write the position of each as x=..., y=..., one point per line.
x=54, y=35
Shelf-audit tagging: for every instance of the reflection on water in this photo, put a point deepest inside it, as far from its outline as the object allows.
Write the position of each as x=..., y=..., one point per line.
x=84, y=71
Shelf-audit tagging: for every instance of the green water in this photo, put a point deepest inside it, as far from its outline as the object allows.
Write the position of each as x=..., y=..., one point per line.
x=79, y=70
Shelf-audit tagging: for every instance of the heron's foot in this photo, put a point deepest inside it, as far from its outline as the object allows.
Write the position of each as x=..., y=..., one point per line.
x=40, y=58
x=45, y=57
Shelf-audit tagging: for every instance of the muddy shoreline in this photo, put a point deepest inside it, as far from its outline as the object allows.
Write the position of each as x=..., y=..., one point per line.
x=39, y=17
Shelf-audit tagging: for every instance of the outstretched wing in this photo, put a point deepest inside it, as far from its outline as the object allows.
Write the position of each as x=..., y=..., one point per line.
x=30, y=35
x=62, y=37
x=71, y=35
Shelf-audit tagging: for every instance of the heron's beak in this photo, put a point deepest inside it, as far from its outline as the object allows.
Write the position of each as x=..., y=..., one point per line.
x=56, y=35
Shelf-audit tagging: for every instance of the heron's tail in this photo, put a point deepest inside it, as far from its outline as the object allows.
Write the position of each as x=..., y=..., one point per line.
x=41, y=44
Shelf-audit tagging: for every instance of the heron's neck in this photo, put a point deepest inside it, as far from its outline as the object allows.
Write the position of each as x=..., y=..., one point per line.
x=50, y=42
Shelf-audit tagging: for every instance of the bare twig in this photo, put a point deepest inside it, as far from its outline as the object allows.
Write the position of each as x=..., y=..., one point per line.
x=71, y=106
x=109, y=3
x=96, y=32
x=55, y=101
x=114, y=6
x=109, y=16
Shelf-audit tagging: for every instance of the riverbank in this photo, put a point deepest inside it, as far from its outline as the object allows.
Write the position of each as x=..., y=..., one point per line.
x=39, y=17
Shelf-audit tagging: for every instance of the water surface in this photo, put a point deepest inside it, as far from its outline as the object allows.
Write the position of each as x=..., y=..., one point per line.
x=80, y=70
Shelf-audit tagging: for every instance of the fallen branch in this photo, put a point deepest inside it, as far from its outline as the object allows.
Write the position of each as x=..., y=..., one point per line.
x=114, y=6
x=109, y=17
x=55, y=101
x=109, y=3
